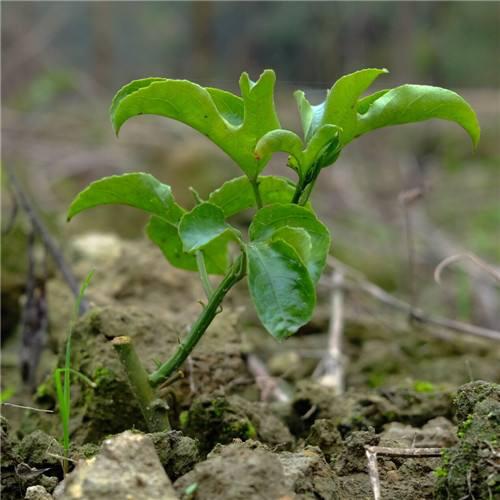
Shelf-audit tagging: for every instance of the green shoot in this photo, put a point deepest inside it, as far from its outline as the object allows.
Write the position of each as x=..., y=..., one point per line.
x=287, y=245
x=63, y=390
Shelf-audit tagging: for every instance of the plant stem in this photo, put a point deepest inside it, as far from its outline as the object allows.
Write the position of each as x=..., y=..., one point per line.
x=154, y=410
x=209, y=312
x=306, y=193
x=298, y=192
x=256, y=192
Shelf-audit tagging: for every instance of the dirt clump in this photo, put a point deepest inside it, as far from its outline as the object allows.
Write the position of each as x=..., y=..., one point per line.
x=109, y=407
x=126, y=467
x=33, y=461
x=361, y=410
x=325, y=435
x=437, y=433
x=471, y=467
x=241, y=471
x=220, y=419
x=177, y=453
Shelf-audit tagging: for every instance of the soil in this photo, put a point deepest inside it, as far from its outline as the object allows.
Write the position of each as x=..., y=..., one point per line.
x=406, y=388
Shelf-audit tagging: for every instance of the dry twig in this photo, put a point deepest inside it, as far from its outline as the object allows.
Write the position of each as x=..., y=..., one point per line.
x=23, y=407
x=373, y=451
x=489, y=269
x=330, y=370
x=269, y=386
x=45, y=236
x=361, y=283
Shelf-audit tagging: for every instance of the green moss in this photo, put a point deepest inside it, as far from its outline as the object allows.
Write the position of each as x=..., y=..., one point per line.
x=45, y=392
x=101, y=373
x=244, y=429
x=468, y=468
x=465, y=425
x=215, y=420
x=376, y=379
x=440, y=472
x=423, y=386
x=184, y=419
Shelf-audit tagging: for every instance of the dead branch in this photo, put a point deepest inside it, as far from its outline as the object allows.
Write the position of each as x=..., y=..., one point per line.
x=13, y=405
x=373, y=473
x=45, y=236
x=373, y=451
x=361, y=283
x=488, y=268
x=404, y=452
x=330, y=370
x=34, y=319
x=407, y=199
x=269, y=386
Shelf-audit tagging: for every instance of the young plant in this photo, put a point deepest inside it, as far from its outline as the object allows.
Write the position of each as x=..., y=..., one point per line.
x=63, y=390
x=286, y=248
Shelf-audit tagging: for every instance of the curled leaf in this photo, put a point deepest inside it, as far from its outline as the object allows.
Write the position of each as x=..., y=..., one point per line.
x=234, y=123
x=414, y=103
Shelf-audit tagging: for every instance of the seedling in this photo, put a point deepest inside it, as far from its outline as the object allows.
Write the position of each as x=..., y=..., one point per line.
x=286, y=248
x=63, y=390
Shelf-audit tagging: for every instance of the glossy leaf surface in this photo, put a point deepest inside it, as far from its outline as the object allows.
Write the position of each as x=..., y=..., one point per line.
x=138, y=190
x=414, y=103
x=234, y=123
x=280, y=286
x=298, y=238
x=203, y=224
x=270, y=219
x=320, y=151
x=237, y=194
x=166, y=236
x=339, y=107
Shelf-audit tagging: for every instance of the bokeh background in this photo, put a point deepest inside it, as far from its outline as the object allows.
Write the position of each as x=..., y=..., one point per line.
x=62, y=62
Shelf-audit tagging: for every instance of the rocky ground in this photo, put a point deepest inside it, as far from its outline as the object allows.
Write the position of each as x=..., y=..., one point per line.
x=406, y=388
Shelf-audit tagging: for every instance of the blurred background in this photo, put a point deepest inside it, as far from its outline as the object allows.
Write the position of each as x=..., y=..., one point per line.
x=62, y=62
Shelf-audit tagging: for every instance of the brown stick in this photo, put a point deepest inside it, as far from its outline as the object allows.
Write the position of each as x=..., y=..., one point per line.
x=488, y=268
x=381, y=295
x=330, y=370
x=268, y=385
x=373, y=473
x=45, y=236
x=373, y=451
x=404, y=452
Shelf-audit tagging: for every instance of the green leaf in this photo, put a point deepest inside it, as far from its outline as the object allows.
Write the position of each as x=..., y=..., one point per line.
x=296, y=237
x=280, y=141
x=280, y=286
x=341, y=102
x=414, y=103
x=129, y=89
x=235, y=124
x=270, y=219
x=138, y=190
x=237, y=194
x=306, y=112
x=323, y=147
x=201, y=225
x=339, y=107
x=229, y=105
x=166, y=236
x=365, y=103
